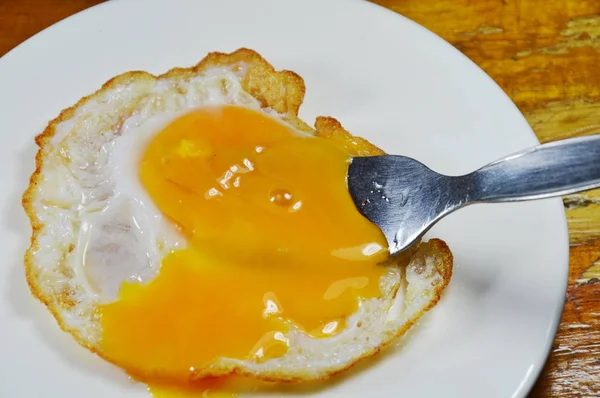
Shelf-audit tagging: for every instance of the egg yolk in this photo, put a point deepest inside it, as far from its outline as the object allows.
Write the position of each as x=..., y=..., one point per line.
x=273, y=242
x=219, y=387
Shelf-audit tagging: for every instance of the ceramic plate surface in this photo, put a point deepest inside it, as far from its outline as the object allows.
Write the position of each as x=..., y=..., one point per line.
x=385, y=78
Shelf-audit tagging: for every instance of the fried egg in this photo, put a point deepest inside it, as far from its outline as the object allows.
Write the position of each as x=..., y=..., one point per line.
x=190, y=226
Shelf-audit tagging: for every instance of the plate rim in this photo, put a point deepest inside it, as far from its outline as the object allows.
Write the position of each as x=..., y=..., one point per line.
x=533, y=374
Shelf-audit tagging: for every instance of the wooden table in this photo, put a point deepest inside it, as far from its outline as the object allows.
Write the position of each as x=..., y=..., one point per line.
x=545, y=54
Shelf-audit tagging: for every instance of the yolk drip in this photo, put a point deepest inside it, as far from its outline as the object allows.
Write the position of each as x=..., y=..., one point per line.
x=222, y=387
x=274, y=241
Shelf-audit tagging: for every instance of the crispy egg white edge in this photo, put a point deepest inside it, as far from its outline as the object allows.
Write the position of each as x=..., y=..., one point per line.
x=94, y=210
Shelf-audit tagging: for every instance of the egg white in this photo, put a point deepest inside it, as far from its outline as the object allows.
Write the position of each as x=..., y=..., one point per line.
x=97, y=227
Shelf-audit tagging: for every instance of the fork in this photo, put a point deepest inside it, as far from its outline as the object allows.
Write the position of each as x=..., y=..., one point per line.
x=405, y=198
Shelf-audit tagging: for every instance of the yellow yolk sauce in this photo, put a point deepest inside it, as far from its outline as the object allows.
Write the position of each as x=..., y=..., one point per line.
x=219, y=387
x=274, y=241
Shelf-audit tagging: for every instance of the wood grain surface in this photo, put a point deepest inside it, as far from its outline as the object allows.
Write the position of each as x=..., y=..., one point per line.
x=545, y=54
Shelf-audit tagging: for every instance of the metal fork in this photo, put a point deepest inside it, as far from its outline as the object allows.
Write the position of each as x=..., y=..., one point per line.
x=405, y=198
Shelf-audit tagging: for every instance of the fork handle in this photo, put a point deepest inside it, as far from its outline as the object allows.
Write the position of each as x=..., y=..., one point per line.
x=553, y=169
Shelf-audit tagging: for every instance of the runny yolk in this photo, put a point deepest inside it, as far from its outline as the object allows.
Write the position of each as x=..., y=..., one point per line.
x=220, y=387
x=273, y=242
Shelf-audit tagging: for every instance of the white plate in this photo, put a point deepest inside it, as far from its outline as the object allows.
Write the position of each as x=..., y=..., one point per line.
x=385, y=78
